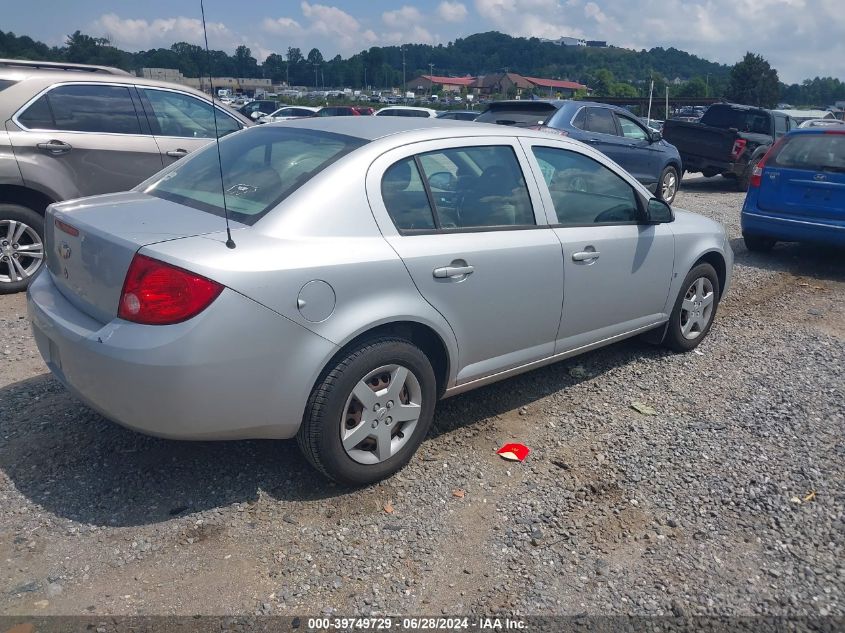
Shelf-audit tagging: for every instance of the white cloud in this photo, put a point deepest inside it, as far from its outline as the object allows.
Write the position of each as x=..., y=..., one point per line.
x=324, y=26
x=452, y=11
x=401, y=18
x=801, y=38
x=135, y=33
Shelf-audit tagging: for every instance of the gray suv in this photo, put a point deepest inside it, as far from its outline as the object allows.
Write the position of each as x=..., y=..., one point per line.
x=71, y=130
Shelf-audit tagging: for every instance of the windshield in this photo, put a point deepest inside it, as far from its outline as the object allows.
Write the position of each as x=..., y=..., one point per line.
x=520, y=115
x=813, y=152
x=261, y=167
x=753, y=121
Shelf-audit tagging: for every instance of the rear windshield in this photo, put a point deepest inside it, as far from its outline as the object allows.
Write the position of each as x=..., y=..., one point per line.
x=261, y=167
x=813, y=152
x=520, y=115
x=753, y=121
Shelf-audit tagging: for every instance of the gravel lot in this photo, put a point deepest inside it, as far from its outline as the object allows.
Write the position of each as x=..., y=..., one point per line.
x=706, y=507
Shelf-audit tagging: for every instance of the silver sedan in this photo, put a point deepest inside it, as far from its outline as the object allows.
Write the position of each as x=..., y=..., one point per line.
x=377, y=264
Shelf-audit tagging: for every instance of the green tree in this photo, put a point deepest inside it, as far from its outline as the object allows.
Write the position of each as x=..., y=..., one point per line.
x=694, y=88
x=275, y=68
x=754, y=82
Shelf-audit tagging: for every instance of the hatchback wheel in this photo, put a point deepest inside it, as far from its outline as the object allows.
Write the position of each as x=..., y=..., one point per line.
x=694, y=310
x=21, y=247
x=369, y=412
x=668, y=188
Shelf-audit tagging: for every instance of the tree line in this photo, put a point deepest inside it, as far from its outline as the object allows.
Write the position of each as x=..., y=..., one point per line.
x=611, y=71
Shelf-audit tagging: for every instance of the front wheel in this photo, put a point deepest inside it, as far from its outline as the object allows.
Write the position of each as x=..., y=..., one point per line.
x=668, y=187
x=694, y=310
x=21, y=247
x=369, y=412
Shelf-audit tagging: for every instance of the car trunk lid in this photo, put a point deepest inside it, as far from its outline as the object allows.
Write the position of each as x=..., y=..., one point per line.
x=91, y=242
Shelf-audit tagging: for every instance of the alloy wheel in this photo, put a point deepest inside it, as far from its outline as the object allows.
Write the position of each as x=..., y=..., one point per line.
x=669, y=186
x=380, y=414
x=697, y=308
x=21, y=251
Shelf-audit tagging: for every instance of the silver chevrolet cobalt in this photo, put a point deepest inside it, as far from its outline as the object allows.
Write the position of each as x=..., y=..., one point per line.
x=379, y=264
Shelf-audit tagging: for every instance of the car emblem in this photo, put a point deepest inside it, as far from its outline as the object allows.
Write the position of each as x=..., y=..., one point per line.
x=819, y=177
x=64, y=250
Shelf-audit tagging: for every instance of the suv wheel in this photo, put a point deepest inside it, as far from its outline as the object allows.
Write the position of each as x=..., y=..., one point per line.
x=668, y=187
x=21, y=247
x=370, y=412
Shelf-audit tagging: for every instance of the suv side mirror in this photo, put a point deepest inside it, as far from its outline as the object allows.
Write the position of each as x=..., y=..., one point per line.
x=656, y=136
x=658, y=212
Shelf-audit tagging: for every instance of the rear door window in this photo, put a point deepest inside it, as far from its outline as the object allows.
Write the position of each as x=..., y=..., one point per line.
x=84, y=108
x=180, y=115
x=600, y=120
x=405, y=197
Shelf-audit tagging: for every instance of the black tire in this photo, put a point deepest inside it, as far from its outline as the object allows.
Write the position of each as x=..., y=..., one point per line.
x=668, y=172
x=744, y=179
x=33, y=220
x=675, y=338
x=319, y=437
x=758, y=243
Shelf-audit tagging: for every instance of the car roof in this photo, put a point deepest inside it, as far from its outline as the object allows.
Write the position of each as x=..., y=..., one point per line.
x=373, y=128
x=558, y=104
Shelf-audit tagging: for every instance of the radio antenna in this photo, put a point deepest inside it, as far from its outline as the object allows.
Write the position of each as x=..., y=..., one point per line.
x=230, y=243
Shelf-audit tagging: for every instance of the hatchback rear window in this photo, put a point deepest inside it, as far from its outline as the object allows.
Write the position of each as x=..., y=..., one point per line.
x=813, y=152
x=261, y=167
x=520, y=115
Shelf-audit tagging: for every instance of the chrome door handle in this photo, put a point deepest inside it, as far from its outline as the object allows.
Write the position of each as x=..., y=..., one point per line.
x=453, y=271
x=55, y=147
x=177, y=153
x=585, y=256
x=592, y=140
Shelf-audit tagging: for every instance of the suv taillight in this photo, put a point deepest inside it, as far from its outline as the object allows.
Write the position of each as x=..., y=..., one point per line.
x=155, y=293
x=738, y=148
x=757, y=172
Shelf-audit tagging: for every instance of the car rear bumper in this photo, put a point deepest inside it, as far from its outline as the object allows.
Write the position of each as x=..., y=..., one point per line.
x=793, y=229
x=236, y=371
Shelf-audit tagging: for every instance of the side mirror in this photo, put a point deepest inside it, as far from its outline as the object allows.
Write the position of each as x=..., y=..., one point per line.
x=658, y=212
x=256, y=115
x=443, y=180
x=656, y=136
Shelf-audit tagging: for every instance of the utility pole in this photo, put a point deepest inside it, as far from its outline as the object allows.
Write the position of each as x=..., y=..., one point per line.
x=707, y=86
x=404, y=89
x=315, y=75
x=430, y=80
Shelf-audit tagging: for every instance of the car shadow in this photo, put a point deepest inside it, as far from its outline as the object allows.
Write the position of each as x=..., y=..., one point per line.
x=817, y=261
x=72, y=462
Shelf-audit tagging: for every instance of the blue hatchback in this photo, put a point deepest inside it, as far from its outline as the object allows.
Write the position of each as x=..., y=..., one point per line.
x=797, y=191
x=612, y=130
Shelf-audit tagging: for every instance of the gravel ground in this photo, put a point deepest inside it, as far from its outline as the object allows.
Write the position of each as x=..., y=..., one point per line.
x=730, y=500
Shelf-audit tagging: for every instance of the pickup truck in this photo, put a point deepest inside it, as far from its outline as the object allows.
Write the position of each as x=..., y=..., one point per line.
x=729, y=140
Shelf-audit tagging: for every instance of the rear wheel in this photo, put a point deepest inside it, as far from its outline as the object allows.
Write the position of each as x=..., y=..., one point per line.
x=758, y=243
x=21, y=247
x=694, y=310
x=668, y=187
x=370, y=412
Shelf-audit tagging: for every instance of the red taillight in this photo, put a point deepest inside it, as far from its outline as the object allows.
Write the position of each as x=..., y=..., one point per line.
x=155, y=293
x=738, y=148
x=757, y=172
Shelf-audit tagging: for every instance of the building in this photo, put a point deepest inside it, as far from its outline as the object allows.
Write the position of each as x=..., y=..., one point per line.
x=556, y=87
x=567, y=41
x=516, y=85
x=501, y=83
x=597, y=43
x=246, y=85
x=435, y=83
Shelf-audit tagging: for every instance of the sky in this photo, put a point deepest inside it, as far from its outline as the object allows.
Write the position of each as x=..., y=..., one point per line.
x=800, y=38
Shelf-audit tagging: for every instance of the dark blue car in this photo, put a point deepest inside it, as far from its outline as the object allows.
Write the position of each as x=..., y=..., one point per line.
x=797, y=191
x=611, y=130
